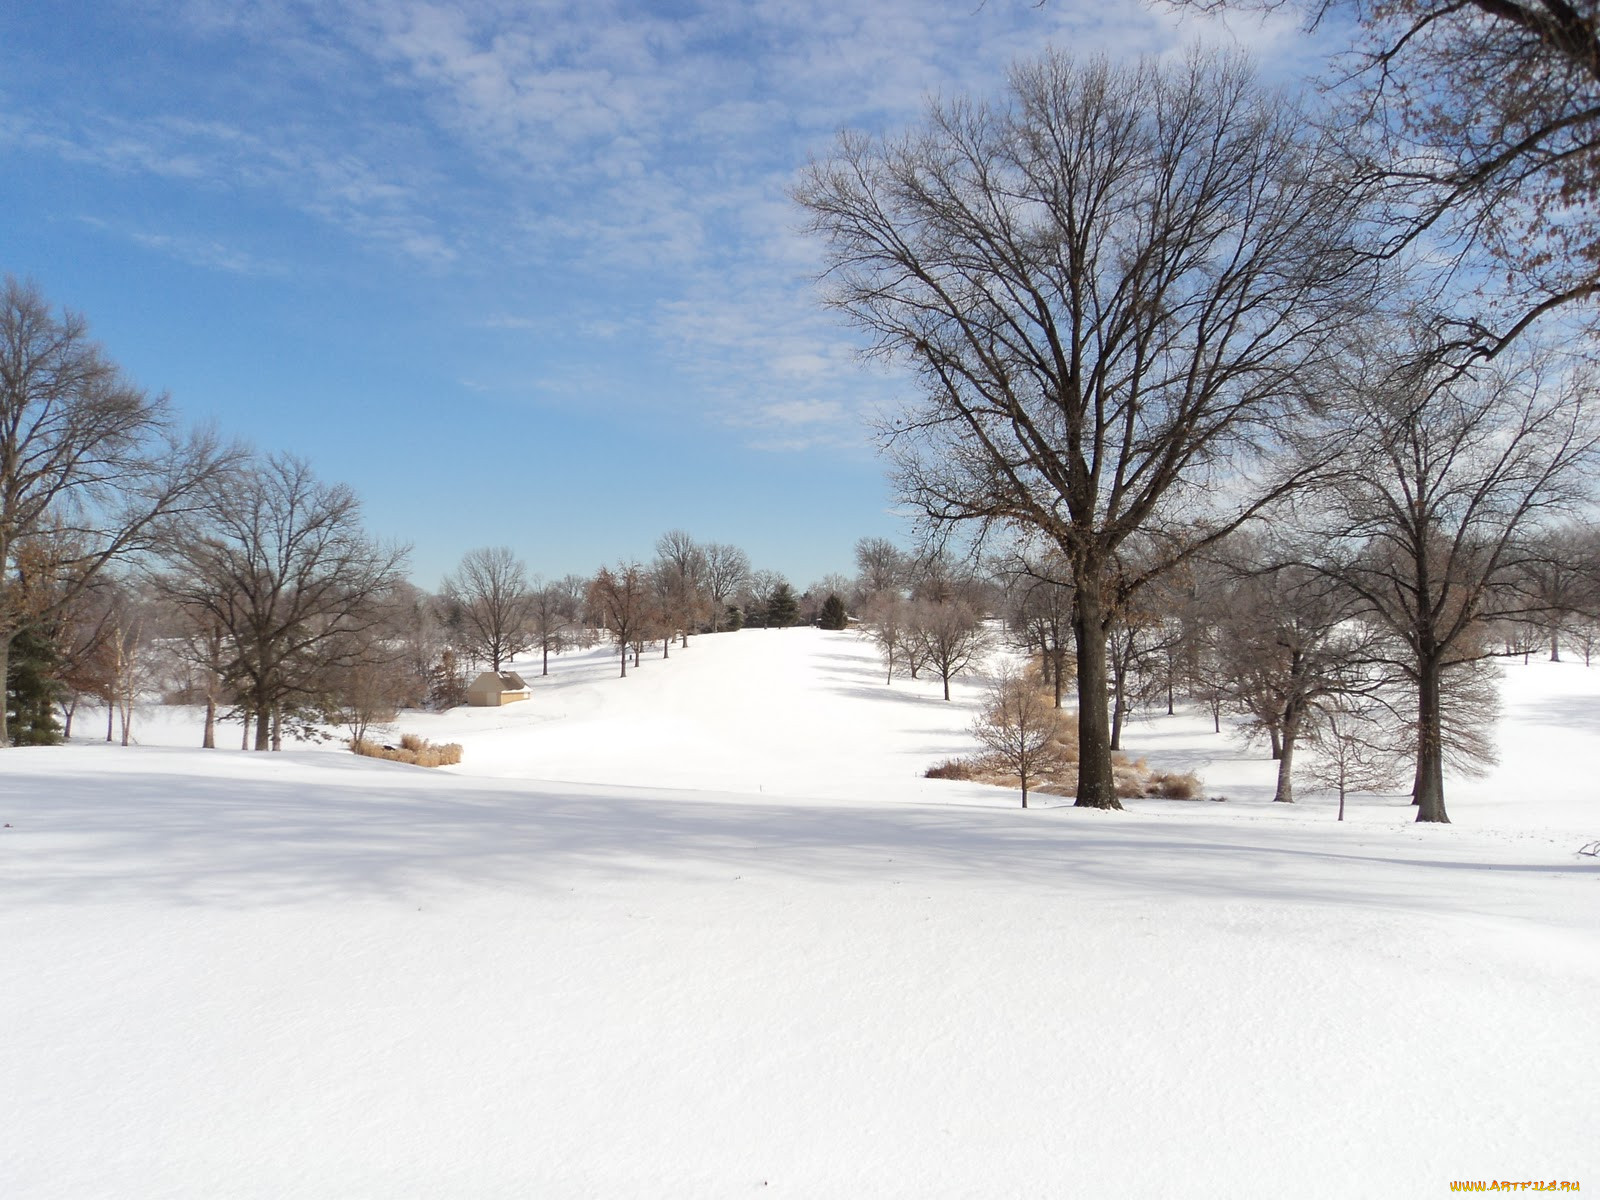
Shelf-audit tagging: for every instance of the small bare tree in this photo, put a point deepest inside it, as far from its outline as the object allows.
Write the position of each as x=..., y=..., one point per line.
x=951, y=637
x=1354, y=747
x=551, y=617
x=1041, y=610
x=1019, y=725
x=886, y=621
x=620, y=603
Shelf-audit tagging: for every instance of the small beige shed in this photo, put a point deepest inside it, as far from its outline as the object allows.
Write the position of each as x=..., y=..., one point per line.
x=492, y=689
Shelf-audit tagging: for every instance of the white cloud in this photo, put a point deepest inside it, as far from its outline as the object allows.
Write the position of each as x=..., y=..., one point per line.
x=631, y=162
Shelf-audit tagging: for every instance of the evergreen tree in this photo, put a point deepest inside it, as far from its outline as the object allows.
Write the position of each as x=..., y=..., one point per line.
x=31, y=690
x=782, y=607
x=833, y=615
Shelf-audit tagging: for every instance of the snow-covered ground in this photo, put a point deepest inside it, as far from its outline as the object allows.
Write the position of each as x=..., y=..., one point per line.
x=706, y=932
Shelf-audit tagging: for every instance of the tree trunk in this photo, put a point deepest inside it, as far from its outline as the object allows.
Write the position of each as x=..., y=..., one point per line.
x=545, y=669
x=277, y=727
x=1275, y=740
x=1285, y=790
x=1096, y=788
x=111, y=718
x=1430, y=745
x=1555, y=644
x=1119, y=691
x=209, y=740
x=945, y=675
x=1059, y=653
x=666, y=646
x=264, y=729
x=5, y=678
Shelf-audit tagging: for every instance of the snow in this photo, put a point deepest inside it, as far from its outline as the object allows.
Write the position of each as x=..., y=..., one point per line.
x=707, y=932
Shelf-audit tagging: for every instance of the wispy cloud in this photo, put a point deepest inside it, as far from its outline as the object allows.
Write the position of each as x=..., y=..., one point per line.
x=632, y=163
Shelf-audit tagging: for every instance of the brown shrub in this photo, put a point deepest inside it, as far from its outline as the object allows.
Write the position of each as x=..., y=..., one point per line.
x=950, y=768
x=413, y=750
x=1175, y=787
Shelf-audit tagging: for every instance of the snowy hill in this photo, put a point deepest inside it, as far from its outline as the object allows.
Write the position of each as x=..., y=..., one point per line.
x=707, y=932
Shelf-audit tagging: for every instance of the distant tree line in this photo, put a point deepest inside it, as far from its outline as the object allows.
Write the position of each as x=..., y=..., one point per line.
x=137, y=560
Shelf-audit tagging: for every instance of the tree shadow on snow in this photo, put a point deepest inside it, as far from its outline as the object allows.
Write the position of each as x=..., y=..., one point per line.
x=364, y=831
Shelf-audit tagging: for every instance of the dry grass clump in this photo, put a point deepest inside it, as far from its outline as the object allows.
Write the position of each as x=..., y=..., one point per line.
x=1172, y=786
x=417, y=751
x=950, y=768
x=1135, y=780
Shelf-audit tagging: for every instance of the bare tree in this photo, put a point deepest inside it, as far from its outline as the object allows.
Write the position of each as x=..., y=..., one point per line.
x=550, y=618
x=1287, y=640
x=1109, y=287
x=87, y=460
x=489, y=604
x=951, y=636
x=200, y=640
x=620, y=603
x=366, y=686
x=886, y=619
x=1041, y=608
x=76, y=622
x=1019, y=726
x=1558, y=582
x=1354, y=747
x=281, y=564
x=572, y=594
x=1447, y=477
x=880, y=565
x=727, y=568
x=680, y=571
x=1483, y=121
x=416, y=631
x=130, y=653
x=756, y=592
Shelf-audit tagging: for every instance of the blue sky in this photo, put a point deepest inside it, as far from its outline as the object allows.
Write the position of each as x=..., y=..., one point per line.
x=520, y=273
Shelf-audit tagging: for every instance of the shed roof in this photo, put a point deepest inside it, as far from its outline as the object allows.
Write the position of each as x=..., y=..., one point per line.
x=509, y=681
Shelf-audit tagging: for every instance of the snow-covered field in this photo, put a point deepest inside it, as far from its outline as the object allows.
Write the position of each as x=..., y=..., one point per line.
x=706, y=932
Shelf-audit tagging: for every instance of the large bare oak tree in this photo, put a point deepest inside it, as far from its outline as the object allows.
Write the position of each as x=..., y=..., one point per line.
x=88, y=462
x=279, y=562
x=1107, y=285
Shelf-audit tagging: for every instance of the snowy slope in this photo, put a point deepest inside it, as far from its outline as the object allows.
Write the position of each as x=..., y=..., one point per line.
x=706, y=932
